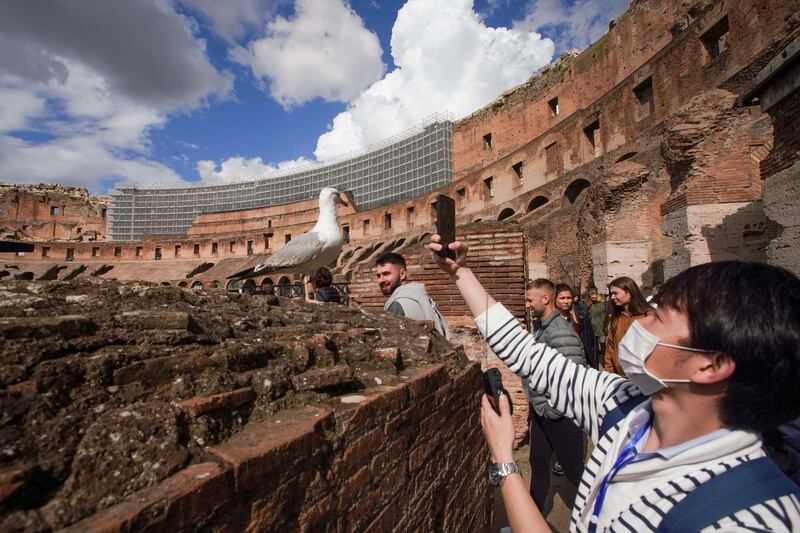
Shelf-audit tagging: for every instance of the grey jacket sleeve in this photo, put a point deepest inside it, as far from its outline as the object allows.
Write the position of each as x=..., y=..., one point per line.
x=396, y=309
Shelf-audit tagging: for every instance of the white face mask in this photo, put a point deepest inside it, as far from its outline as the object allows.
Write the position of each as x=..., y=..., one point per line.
x=635, y=347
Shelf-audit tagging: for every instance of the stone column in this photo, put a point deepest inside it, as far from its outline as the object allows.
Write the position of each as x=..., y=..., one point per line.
x=782, y=205
x=716, y=232
x=612, y=259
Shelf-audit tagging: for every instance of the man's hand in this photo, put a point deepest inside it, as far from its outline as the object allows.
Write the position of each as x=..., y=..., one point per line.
x=498, y=429
x=449, y=265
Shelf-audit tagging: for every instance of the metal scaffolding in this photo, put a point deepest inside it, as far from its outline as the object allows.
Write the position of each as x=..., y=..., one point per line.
x=397, y=169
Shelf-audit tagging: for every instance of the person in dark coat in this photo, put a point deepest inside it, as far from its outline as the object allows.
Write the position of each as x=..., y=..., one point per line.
x=566, y=306
x=325, y=292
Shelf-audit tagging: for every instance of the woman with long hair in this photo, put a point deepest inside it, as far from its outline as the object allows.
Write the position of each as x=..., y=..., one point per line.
x=565, y=304
x=627, y=305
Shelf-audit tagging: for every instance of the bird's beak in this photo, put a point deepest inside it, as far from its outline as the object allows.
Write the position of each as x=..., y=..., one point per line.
x=341, y=199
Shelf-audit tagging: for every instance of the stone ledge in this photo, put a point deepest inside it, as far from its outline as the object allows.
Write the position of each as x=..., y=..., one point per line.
x=182, y=501
x=65, y=327
x=163, y=320
x=322, y=377
x=203, y=404
x=260, y=450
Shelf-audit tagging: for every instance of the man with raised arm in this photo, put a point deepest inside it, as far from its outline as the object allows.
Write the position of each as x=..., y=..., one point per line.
x=677, y=442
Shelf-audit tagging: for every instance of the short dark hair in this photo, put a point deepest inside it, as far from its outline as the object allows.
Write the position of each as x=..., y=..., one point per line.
x=541, y=283
x=563, y=287
x=392, y=258
x=323, y=277
x=727, y=312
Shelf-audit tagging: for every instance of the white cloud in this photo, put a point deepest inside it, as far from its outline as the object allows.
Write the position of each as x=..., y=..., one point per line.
x=95, y=95
x=323, y=51
x=17, y=108
x=231, y=19
x=144, y=50
x=242, y=169
x=447, y=60
x=79, y=161
x=575, y=25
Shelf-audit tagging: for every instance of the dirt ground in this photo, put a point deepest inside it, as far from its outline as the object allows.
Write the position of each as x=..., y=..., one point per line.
x=557, y=513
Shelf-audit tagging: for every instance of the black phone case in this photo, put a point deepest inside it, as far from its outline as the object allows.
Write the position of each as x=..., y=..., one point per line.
x=493, y=385
x=446, y=223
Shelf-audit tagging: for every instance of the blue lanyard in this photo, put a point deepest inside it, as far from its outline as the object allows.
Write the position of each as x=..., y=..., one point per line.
x=626, y=456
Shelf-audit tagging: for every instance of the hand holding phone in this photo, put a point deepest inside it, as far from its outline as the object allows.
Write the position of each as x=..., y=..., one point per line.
x=493, y=385
x=446, y=224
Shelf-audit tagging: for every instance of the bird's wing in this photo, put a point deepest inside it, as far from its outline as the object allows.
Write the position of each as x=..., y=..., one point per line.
x=295, y=253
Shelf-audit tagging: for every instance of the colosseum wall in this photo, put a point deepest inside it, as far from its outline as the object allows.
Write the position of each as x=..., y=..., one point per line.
x=671, y=141
x=49, y=212
x=141, y=407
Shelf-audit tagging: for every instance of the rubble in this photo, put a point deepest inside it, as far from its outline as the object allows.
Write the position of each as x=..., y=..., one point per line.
x=108, y=388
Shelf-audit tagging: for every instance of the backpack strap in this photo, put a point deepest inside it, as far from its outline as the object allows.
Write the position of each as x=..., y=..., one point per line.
x=741, y=487
x=614, y=416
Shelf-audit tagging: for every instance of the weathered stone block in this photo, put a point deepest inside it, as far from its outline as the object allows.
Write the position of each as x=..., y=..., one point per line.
x=157, y=320
x=260, y=450
x=716, y=232
x=781, y=201
x=182, y=501
x=612, y=259
x=65, y=327
x=226, y=400
x=323, y=377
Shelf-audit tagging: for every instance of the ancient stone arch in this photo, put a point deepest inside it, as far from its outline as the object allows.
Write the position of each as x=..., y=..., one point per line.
x=536, y=203
x=506, y=213
x=574, y=190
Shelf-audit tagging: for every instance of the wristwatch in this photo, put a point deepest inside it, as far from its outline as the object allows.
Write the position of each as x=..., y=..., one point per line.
x=499, y=471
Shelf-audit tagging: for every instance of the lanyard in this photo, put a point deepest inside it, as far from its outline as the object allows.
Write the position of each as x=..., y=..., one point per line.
x=626, y=456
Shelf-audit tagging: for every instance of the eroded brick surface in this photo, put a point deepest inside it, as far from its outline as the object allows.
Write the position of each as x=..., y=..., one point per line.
x=110, y=412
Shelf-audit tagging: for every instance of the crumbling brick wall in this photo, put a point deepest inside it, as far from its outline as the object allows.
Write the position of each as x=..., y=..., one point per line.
x=141, y=407
x=52, y=212
x=497, y=256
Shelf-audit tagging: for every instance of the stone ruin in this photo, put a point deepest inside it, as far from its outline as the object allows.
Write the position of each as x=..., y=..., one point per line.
x=134, y=406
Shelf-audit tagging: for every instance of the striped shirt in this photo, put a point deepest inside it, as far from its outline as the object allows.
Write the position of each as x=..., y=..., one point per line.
x=643, y=492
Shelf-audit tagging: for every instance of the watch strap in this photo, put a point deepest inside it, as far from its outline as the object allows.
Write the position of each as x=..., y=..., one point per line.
x=499, y=471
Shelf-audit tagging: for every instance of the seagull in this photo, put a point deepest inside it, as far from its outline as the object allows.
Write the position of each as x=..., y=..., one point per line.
x=314, y=249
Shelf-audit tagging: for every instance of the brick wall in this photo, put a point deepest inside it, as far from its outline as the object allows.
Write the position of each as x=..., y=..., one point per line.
x=231, y=413
x=786, y=144
x=477, y=350
x=496, y=256
x=52, y=212
x=394, y=467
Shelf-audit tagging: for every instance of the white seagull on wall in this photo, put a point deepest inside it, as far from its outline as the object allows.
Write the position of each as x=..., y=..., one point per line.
x=316, y=248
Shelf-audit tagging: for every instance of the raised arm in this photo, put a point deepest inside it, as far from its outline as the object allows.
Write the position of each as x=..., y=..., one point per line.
x=476, y=297
x=582, y=393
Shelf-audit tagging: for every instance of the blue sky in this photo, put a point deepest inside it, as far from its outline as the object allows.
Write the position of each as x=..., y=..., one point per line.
x=167, y=91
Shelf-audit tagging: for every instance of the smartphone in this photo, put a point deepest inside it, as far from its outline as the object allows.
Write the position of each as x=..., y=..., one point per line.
x=446, y=224
x=493, y=385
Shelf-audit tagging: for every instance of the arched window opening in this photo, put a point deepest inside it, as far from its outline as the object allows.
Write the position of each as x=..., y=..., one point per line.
x=536, y=203
x=506, y=213
x=574, y=190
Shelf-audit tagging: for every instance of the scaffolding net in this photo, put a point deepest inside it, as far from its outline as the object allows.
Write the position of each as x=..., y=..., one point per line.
x=402, y=167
